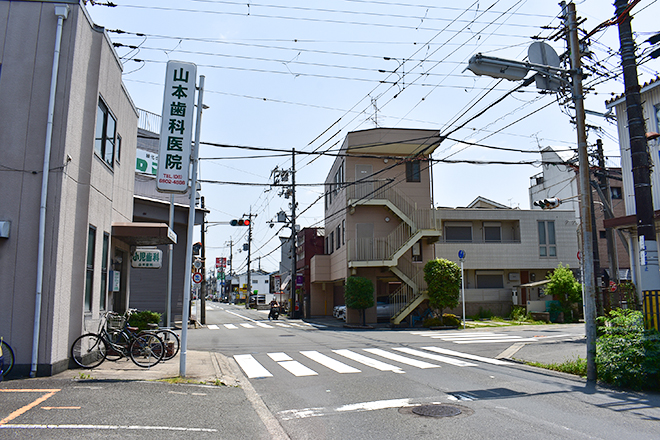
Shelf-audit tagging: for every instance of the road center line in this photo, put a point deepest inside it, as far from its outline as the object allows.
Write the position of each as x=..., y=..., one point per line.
x=110, y=427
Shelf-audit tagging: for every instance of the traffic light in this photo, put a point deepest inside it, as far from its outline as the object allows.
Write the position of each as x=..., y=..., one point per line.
x=240, y=222
x=549, y=203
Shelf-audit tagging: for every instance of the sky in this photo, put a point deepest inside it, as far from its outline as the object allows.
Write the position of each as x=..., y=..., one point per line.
x=284, y=74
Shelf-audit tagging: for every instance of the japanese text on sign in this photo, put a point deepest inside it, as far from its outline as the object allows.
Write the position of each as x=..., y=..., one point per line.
x=176, y=127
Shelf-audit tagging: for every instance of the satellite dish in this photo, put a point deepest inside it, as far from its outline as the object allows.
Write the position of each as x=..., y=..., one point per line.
x=543, y=54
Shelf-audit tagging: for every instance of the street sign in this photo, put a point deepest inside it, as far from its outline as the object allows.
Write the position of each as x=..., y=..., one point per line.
x=176, y=127
x=461, y=254
x=197, y=277
x=613, y=286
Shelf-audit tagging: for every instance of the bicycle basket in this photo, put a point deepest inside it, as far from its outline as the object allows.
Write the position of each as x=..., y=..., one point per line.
x=115, y=322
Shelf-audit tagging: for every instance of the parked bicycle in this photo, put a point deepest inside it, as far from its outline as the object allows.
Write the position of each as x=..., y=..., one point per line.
x=116, y=339
x=171, y=341
x=6, y=358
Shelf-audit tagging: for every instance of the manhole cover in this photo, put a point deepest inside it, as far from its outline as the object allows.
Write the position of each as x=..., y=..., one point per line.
x=439, y=410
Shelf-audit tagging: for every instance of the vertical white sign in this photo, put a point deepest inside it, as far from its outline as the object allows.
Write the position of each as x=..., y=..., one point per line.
x=176, y=127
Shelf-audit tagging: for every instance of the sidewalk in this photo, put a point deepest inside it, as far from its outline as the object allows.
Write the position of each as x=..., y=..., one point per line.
x=201, y=366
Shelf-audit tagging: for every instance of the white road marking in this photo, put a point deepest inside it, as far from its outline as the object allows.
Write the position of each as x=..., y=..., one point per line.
x=329, y=362
x=354, y=407
x=261, y=324
x=435, y=357
x=212, y=327
x=373, y=363
x=277, y=357
x=467, y=356
x=231, y=326
x=281, y=325
x=247, y=325
x=109, y=427
x=402, y=359
x=293, y=367
x=251, y=367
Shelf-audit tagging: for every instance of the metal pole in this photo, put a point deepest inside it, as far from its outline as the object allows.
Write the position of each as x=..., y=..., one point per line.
x=648, y=258
x=202, y=296
x=585, y=190
x=170, y=251
x=463, y=291
x=62, y=12
x=191, y=224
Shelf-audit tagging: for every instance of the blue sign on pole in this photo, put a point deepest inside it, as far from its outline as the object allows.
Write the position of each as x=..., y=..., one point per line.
x=461, y=254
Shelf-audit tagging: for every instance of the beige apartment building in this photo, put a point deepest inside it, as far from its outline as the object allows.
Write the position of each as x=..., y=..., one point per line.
x=379, y=221
x=380, y=224
x=87, y=231
x=508, y=253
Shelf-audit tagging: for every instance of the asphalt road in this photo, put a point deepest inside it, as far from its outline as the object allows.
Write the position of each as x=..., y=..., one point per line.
x=325, y=381
x=319, y=380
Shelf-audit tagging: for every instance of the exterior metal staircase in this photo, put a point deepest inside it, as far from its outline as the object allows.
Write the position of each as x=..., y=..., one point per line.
x=389, y=251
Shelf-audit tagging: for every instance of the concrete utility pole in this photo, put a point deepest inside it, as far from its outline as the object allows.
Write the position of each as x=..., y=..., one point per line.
x=569, y=14
x=648, y=246
x=202, y=302
x=294, y=234
x=249, y=275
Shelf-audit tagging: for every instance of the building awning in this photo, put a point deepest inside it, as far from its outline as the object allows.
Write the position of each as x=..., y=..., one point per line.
x=143, y=234
x=628, y=221
x=535, y=284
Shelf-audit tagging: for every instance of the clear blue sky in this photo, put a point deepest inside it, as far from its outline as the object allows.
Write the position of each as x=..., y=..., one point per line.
x=287, y=73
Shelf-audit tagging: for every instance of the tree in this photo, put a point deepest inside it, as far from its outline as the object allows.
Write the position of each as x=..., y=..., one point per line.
x=443, y=278
x=359, y=294
x=565, y=287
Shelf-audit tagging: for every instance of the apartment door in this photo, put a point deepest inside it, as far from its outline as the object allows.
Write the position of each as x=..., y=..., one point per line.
x=364, y=245
x=364, y=186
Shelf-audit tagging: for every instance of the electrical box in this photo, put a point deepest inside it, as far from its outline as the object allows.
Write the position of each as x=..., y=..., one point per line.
x=5, y=226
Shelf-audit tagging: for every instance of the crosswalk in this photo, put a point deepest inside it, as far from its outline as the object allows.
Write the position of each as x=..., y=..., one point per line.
x=259, y=324
x=345, y=361
x=482, y=337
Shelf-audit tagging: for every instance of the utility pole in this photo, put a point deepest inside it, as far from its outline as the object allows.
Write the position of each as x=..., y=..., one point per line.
x=569, y=15
x=202, y=312
x=294, y=234
x=249, y=275
x=648, y=246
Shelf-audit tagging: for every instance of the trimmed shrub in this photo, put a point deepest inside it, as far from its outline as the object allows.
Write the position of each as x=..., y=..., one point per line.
x=142, y=319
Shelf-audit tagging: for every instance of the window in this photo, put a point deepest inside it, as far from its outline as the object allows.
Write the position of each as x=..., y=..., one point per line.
x=104, y=141
x=104, y=271
x=338, y=232
x=488, y=280
x=616, y=193
x=332, y=242
x=118, y=148
x=603, y=234
x=458, y=233
x=255, y=281
x=417, y=252
x=547, y=242
x=343, y=232
x=89, y=274
x=492, y=232
x=412, y=171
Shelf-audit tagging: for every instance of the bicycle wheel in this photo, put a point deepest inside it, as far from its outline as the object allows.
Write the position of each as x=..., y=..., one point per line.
x=146, y=350
x=7, y=358
x=118, y=346
x=171, y=341
x=89, y=350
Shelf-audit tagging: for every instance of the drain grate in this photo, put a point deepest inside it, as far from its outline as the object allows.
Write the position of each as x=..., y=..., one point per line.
x=438, y=410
